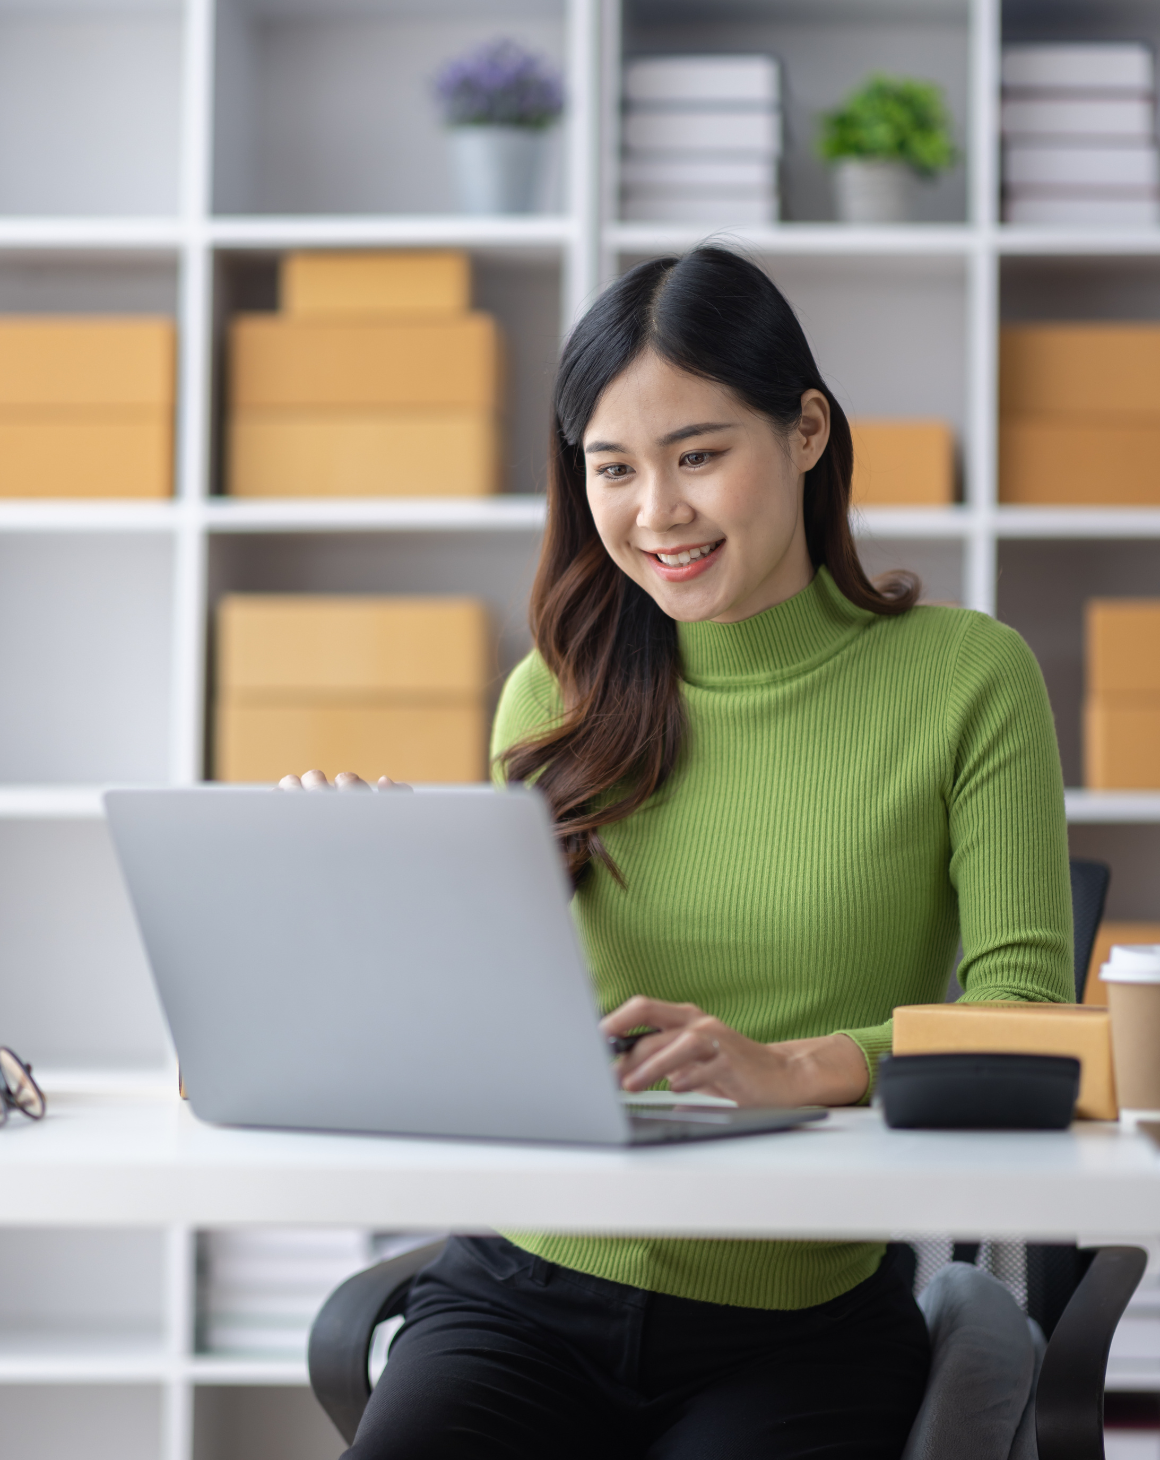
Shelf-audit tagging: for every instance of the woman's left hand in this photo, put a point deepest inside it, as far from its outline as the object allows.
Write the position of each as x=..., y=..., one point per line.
x=694, y=1051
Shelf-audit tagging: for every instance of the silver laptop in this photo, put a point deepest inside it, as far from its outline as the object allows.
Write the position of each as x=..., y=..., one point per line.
x=381, y=962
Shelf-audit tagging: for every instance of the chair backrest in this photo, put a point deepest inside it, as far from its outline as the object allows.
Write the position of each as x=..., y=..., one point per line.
x=1089, y=890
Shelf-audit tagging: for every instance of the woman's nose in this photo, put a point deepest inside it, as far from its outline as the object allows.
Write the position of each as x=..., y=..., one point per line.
x=662, y=506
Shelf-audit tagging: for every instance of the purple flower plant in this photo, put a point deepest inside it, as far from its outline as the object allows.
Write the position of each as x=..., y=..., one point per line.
x=500, y=84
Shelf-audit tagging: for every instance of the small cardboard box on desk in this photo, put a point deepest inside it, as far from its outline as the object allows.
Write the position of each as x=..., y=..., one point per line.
x=1067, y=1029
x=1122, y=704
x=375, y=685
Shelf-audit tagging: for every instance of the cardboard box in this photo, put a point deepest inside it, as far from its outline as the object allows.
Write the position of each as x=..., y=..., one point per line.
x=318, y=363
x=441, y=740
x=1068, y=1029
x=902, y=463
x=1095, y=991
x=87, y=361
x=387, y=281
x=1121, y=742
x=1047, y=369
x=74, y=453
x=274, y=645
x=377, y=685
x=1112, y=462
x=450, y=452
x=1122, y=646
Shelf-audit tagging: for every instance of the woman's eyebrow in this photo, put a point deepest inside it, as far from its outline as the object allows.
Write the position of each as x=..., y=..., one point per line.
x=701, y=428
x=682, y=433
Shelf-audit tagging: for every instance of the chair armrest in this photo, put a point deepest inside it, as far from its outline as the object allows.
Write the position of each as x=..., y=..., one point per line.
x=1069, y=1402
x=340, y=1338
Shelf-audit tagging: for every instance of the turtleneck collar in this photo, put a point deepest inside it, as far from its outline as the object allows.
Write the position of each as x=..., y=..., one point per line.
x=785, y=641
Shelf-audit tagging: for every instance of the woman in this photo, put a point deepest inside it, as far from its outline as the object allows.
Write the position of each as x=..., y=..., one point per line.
x=784, y=794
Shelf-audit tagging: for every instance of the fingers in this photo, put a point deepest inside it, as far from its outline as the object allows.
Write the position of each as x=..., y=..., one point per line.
x=655, y=1013
x=290, y=783
x=344, y=781
x=348, y=781
x=685, y=1056
x=386, y=784
x=316, y=781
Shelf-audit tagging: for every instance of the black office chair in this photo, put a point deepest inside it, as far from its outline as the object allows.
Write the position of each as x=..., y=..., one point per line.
x=1069, y=1400
x=1077, y=1297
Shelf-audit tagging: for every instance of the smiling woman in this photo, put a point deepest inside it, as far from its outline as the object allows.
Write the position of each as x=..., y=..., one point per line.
x=784, y=794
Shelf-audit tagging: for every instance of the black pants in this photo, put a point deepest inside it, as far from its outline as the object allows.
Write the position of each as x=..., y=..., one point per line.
x=503, y=1354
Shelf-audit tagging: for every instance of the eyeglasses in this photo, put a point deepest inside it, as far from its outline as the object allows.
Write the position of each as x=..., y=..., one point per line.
x=18, y=1090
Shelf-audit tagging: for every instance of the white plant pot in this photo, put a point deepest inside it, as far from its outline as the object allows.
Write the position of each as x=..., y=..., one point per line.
x=868, y=191
x=496, y=169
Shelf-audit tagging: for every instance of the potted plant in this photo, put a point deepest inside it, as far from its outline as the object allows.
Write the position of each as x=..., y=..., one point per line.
x=883, y=137
x=498, y=103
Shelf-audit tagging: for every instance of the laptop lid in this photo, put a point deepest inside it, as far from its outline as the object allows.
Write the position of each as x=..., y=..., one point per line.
x=368, y=961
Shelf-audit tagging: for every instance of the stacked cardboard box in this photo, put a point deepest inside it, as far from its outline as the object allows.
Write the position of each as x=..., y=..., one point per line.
x=1079, y=130
x=1122, y=705
x=902, y=463
x=1065, y=435
x=702, y=138
x=86, y=406
x=375, y=685
x=375, y=379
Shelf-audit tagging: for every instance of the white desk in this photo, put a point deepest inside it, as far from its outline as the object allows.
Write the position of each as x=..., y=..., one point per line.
x=144, y=1160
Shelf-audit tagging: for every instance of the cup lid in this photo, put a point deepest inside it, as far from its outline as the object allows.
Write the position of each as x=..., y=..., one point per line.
x=1132, y=963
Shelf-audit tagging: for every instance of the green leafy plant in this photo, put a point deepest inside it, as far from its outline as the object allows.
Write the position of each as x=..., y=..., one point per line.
x=891, y=119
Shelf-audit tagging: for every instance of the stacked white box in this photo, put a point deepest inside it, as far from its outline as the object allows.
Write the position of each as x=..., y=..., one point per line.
x=259, y=1291
x=1079, y=135
x=702, y=138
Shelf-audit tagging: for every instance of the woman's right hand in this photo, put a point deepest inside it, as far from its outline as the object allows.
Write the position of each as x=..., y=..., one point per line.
x=344, y=781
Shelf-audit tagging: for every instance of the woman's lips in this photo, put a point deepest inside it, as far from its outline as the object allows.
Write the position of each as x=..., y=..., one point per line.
x=683, y=572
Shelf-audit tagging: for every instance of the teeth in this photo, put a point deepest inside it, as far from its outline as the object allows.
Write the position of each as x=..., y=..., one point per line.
x=681, y=560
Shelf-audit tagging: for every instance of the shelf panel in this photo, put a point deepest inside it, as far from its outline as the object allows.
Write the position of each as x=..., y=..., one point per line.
x=454, y=230
x=1112, y=807
x=939, y=239
x=212, y=1369
x=86, y=515
x=385, y=514
x=68, y=1357
x=1082, y=522
x=133, y=235
x=51, y=803
x=913, y=522
x=1080, y=242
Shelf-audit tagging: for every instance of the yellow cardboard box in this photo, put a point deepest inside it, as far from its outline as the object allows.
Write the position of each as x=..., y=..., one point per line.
x=1068, y=1029
x=366, y=363
x=1121, y=742
x=386, y=281
x=1112, y=462
x=454, y=451
x=1047, y=369
x=78, y=453
x=1095, y=990
x=87, y=360
x=379, y=685
x=1122, y=645
x=902, y=463
x=351, y=644
x=434, y=740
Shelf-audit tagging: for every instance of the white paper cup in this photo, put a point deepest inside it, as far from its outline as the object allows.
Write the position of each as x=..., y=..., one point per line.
x=1132, y=975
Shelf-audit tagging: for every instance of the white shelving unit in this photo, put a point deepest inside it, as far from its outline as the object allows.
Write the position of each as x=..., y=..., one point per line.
x=160, y=154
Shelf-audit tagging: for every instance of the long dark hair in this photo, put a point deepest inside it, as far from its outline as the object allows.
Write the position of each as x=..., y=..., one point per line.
x=611, y=648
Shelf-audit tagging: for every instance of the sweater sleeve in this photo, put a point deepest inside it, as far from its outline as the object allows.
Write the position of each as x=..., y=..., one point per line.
x=1007, y=829
x=530, y=701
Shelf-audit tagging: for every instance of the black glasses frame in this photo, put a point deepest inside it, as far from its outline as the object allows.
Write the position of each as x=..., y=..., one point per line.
x=27, y=1096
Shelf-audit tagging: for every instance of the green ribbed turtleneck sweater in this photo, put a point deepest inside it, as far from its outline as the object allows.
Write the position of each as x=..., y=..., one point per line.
x=856, y=793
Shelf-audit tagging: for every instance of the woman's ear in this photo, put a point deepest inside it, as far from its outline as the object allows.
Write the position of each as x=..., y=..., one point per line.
x=812, y=433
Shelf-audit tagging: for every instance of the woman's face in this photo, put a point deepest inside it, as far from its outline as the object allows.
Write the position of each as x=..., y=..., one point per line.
x=696, y=496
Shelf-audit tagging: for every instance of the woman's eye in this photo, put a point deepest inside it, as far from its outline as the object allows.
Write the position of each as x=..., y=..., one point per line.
x=696, y=458
x=614, y=472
